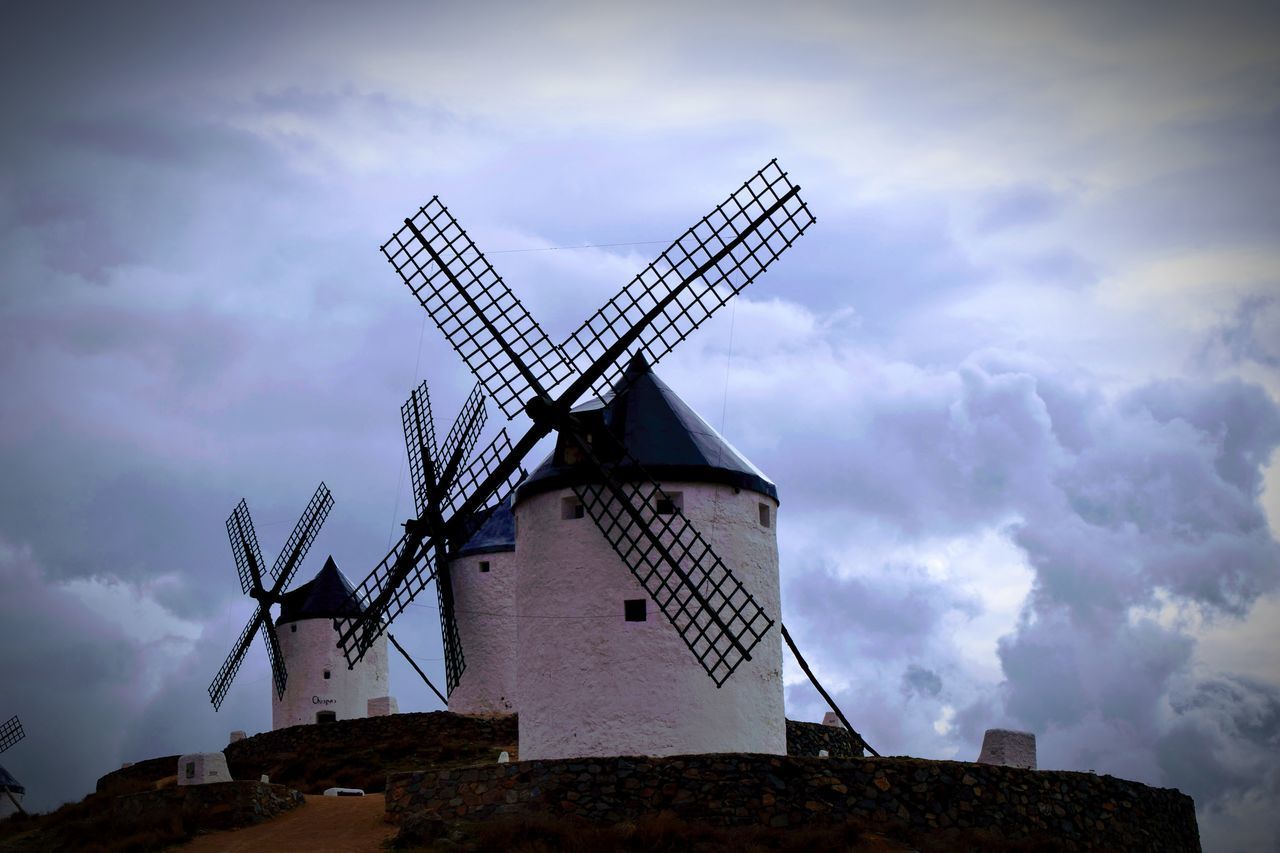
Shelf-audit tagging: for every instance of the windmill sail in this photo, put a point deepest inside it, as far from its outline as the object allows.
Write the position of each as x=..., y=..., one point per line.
x=487, y=325
x=516, y=363
x=10, y=733
x=248, y=557
x=695, y=276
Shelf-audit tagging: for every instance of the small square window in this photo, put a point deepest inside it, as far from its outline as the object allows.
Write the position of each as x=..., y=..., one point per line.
x=293, y=629
x=635, y=609
x=571, y=508
x=668, y=503
x=191, y=770
x=484, y=565
x=326, y=674
x=764, y=515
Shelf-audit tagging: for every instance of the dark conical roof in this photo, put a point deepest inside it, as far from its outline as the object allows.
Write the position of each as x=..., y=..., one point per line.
x=326, y=596
x=496, y=533
x=668, y=438
x=8, y=783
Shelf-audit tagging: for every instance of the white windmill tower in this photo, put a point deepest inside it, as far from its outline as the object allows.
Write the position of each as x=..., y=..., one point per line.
x=601, y=671
x=312, y=682
x=11, y=790
x=483, y=574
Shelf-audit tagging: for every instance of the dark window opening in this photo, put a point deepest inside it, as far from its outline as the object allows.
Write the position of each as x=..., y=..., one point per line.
x=484, y=565
x=572, y=508
x=764, y=515
x=326, y=717
x=668, y=503
x=293, y=629
x=635, y=609
x=191, y=770
x=326, y=675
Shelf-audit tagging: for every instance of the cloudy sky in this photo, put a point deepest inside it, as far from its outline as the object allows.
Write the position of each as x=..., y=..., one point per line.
x=1019, y=386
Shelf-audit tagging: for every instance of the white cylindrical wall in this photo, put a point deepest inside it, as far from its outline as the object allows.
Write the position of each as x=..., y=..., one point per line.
x=591, y=683
x=310, y=648
x=484, y=606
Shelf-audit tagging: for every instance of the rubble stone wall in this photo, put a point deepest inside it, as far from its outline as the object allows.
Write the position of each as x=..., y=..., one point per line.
x=1080, y=810
x=220, y=805
x=808, y=738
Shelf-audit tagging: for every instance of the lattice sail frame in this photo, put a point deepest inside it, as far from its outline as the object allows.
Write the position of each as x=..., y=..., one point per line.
x=302, y=537
x=709, y=244
x=481, y=318
x=717, y=617
x=421, y=557
x=11, y=732
x=221, y=683
x=516, y=362
x=404, y=572
x=244, y=546
x=462, y=439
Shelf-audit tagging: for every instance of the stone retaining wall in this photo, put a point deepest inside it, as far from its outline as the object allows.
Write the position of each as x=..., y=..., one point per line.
x=221, y=805
x=808, y=738
x=355, y=753
x=1080, y=810
x=141, y=776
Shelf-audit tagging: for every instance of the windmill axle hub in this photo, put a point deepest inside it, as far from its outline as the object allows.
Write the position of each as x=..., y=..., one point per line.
x=545, y=412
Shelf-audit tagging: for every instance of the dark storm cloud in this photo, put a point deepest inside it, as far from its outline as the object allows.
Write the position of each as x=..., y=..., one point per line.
x=1125, y=502
x=889, y=618
x=1214, y=718
x=921, y=680
x=87, y=672
x=1250, y=334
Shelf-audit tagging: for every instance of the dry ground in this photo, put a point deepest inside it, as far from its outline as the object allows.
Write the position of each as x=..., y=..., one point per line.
x=323, y=825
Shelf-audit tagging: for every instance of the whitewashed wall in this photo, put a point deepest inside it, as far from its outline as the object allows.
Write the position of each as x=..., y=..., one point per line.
x=484, y=603
x=6, y=805
x=591, y=683
x=310, y=650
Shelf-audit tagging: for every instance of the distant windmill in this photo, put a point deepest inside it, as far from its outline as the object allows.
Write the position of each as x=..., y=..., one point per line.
x=10, y=733
x=249, y=565
x=523, y=371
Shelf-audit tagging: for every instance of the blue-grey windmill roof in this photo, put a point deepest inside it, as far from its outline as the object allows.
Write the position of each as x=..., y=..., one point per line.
x=669, y=439
x=497, y=532
x=326, y=596
x=8, y=783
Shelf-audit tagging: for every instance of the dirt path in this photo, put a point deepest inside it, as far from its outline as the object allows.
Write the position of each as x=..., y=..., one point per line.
x=323, y=825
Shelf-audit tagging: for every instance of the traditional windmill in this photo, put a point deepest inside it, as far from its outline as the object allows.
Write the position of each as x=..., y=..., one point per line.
x=716, y=617
x=11, y=790
x=322, y=688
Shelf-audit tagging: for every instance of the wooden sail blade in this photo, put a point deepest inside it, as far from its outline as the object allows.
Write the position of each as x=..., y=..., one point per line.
x=474, y=485
x=420, y=441
x=244, y=546
x=304, y=533
x=455, y=662
x=279, y=673
x=717, y=617
x=461, y=439
x=222, y=681
x=387, y=590
x=11, y=732
x=506, y=349
x=693, y=278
